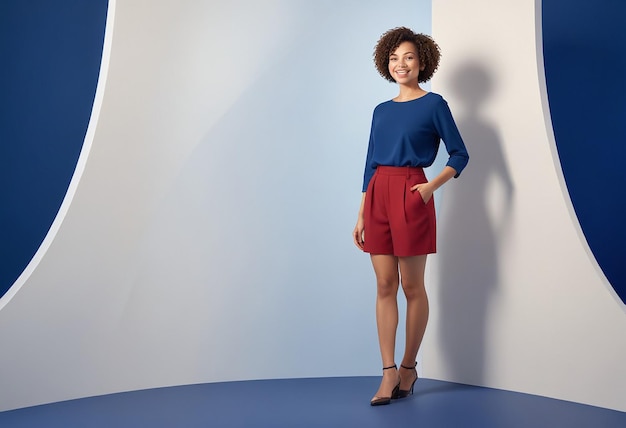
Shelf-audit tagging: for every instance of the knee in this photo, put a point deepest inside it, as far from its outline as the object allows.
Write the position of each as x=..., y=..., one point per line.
x=387, y=287
x=414, y=291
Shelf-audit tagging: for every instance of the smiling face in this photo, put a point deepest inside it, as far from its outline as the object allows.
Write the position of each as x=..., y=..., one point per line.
x=404, y=65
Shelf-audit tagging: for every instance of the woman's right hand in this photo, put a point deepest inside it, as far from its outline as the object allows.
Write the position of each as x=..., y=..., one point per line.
x=358, y=234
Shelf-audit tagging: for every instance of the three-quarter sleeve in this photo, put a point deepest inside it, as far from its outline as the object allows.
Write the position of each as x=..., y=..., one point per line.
x=369, y=165
x=449, y=133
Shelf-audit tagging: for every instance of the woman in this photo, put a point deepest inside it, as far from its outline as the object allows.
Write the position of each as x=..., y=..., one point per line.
x=396, y=222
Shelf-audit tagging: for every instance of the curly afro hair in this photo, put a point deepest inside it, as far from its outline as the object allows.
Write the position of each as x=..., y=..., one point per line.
x=428, y=52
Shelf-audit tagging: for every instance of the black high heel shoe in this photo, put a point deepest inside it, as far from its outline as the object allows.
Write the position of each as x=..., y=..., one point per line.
x=381, y=401
x=402, y=393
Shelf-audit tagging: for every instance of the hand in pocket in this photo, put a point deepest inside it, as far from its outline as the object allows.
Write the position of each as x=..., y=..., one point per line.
x=425, y=191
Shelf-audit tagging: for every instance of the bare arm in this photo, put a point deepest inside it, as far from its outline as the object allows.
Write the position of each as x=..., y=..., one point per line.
x=359, y=230
x=427, y=189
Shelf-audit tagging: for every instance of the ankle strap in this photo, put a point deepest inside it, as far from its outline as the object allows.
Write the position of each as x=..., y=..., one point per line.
x=390, y=367
x=405, y=367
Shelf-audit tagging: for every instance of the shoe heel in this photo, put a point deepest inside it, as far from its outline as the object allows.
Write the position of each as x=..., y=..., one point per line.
x=406, y=392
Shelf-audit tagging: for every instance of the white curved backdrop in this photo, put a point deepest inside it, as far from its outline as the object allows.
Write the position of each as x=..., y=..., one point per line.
x=209, y=238
x=519, y=300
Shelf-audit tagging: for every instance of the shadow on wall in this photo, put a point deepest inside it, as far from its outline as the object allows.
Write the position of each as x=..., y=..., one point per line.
x=475, y=213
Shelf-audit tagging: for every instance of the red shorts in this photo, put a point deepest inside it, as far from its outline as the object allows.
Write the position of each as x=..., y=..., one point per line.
x=397, y=221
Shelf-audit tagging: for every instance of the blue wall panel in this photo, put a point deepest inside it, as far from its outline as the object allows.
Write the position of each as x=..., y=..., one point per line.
x=50, y=53
x=584, y=47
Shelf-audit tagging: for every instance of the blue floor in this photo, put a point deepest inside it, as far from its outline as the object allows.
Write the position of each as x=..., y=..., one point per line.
x=322, y=402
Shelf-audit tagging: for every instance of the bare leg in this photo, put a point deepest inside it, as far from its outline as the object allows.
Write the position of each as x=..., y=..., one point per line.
x=387, y=283
x=412, y=271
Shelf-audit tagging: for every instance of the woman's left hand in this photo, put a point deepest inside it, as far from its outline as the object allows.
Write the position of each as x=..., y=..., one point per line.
x=425, y=190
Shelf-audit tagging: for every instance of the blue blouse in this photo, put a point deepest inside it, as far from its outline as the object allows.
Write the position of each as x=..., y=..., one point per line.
x=408, y=134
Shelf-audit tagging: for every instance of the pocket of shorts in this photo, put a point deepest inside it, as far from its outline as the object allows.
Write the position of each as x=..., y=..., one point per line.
x=422, y=198
x=416, y=192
